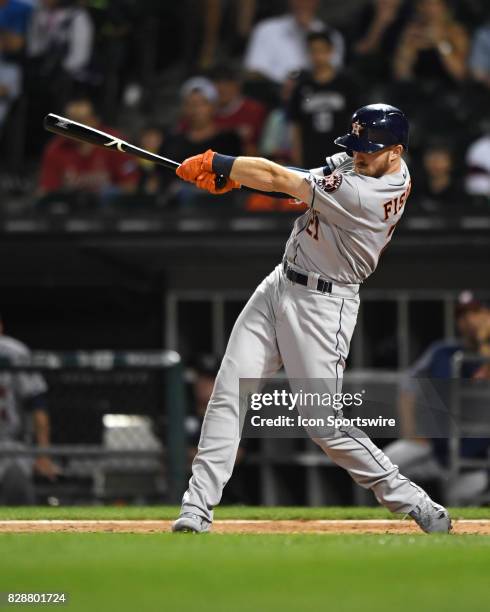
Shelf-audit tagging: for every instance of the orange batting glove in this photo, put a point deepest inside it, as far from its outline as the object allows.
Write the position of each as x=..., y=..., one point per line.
x=207, y=181
x=199, y=170
x=192, y=167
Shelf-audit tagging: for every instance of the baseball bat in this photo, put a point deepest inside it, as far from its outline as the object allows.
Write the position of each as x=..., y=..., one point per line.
x=83, y=133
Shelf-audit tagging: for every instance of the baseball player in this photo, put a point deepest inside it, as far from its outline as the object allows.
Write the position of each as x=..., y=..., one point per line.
x=22, y=402
x=303, y=314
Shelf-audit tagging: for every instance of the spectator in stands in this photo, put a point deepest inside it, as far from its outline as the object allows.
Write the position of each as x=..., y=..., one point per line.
x=117, y=61
x=227, y=25
x=198, y=130
x=150, y=175
x=76, y=168
x=276, y=142
x=430, y=68
x=58, y=50
x=482, y=327
x=21, y=395
x=321, y=103
x=379, y=24
x=10, y=86
x=428, y=458
x=235, y=111
x=479, y=61
x=433, y=46
x=478, y=167
x=439, y=188
x=197, y=133
x=277, y=46
x=14, y=21
x=60, y=38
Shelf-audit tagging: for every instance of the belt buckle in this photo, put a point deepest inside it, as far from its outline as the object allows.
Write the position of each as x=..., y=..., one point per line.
x=324, y=286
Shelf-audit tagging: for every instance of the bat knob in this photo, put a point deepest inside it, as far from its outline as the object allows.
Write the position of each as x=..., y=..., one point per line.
x=220, y=181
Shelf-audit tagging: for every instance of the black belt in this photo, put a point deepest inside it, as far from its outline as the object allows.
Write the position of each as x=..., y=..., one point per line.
x=323, y=286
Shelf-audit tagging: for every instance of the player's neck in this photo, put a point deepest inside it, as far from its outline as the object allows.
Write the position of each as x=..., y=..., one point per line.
x=395, y=167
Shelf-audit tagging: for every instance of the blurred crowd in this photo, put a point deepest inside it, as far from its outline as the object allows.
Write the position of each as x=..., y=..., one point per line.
x=277, y=78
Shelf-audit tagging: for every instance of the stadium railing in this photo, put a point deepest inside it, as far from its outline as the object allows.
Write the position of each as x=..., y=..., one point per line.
x=222, y=307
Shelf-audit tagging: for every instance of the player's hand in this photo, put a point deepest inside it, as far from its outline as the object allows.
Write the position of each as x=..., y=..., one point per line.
x=45, y=467
x=207, y=181
x=199, y=170
x=192, y=167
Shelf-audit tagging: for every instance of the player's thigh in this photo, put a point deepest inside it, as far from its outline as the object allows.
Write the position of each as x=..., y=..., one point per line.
x=252, y=350
x=314, y=335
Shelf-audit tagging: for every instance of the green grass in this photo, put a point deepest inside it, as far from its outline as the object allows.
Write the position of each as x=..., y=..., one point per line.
x=222, y=512
x=225, y=573
x=244, y=573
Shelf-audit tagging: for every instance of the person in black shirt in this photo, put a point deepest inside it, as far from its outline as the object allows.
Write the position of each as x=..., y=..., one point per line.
x=433, y=47
x=198, y=131
x=320, y=105
x=439, y=188
x=151, y=176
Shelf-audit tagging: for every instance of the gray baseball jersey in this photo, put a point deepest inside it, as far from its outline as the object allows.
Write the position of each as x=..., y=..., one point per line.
x=350, y=220
x=15, y=388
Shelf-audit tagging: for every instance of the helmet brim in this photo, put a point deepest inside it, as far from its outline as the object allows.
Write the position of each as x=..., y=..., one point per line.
x=354, y=143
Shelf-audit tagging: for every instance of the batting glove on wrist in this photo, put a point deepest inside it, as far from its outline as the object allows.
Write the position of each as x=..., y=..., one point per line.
x=199, y=170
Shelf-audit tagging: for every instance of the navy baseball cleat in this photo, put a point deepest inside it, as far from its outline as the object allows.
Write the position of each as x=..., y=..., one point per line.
x=431, y=517
x=191, y=523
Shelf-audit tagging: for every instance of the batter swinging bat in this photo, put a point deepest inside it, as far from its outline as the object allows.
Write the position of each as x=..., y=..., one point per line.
x=84, y=133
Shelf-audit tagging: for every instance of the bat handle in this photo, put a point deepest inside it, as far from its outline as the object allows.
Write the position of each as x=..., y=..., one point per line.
x=220, y=181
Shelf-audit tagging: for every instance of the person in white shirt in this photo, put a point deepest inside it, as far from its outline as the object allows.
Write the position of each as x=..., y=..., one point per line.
x=10, y=87
x=64, y=33
x=277, y=46
x=478, y=167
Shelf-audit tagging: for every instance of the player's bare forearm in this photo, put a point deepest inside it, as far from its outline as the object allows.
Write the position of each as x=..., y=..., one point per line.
x=264, y=175
x=254, y=172
x=44, y=464
x=41, y=427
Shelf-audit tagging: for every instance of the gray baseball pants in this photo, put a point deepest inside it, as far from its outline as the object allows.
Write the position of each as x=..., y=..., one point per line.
x=309, y=333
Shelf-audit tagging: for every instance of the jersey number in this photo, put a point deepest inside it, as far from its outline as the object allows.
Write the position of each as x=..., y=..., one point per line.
x=312, y=228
